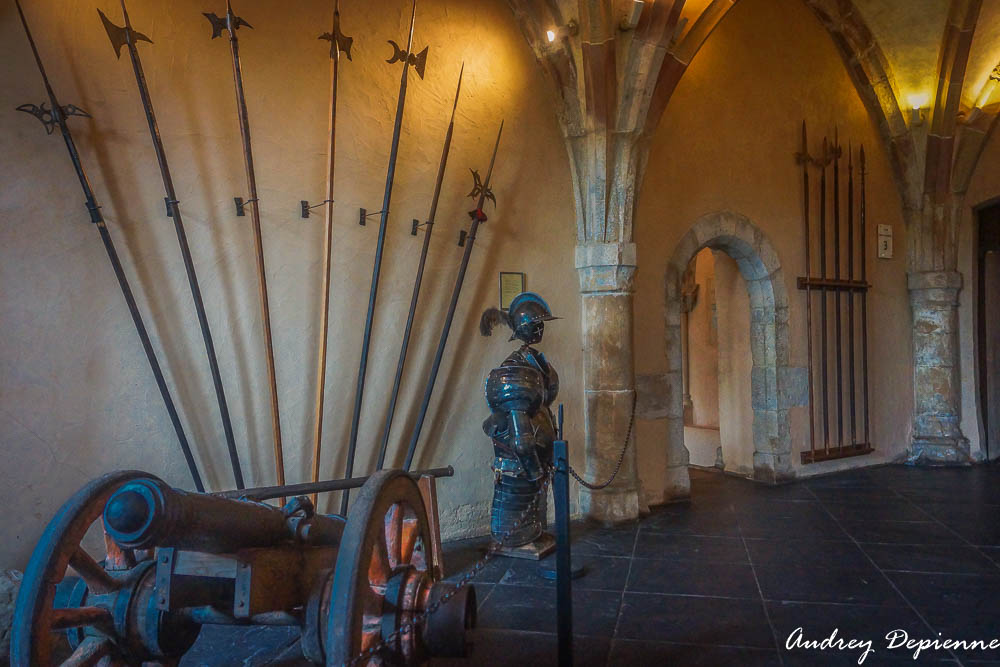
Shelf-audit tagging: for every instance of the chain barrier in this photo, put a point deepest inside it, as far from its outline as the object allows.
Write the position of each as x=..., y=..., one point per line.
x=621, y=457
x=462, y=582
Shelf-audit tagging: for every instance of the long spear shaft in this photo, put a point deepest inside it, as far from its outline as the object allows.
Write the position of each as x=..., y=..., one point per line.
x=231, y=24
x=128, y=37
x=836, y=298
x=478, y=216
x=338, y=43
x=804, y=159
x=389, y=176
x=57, y=116
x=420, y=274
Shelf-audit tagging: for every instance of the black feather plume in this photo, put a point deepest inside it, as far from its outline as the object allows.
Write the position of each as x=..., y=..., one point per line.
x=492, y=317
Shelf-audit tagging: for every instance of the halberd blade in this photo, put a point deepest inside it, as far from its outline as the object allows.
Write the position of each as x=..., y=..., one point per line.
x=119, y=35
x=419, y=62
x=339, y=40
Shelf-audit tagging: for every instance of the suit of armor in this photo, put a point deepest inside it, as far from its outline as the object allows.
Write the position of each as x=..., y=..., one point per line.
x=519, y=393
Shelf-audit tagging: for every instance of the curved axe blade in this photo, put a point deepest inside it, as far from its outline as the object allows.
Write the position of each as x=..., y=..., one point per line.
x=339, y=40
x=418, y=61
x=119, y=35
x=227, y=22
x=49, y=119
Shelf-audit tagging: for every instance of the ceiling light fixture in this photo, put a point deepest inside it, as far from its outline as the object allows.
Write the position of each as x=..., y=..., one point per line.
x=559, y=32
x=918, y=101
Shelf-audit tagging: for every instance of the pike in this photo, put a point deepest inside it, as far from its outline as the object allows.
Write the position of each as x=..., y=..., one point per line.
x=128, y=37
x=338, y=42
x=836, y=274
x=804, y=160
x=862, y=219
x=231, y=23
x=429, y=224
x=56, y=116
x=822, y=313
x=418, y=62
x=481, y=189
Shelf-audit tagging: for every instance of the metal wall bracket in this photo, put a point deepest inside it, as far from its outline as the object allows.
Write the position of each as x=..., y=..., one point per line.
x=417, y=225
x=171, y=206
x=462, y=234
x=365, y=215
x=306, y=207
x=241, y=205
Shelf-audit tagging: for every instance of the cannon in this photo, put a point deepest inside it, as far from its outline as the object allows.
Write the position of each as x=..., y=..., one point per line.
x=360, y=587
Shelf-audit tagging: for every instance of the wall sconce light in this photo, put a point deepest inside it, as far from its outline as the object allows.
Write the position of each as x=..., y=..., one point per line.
x=571, y=28
x=632, y=14
x=918, y=101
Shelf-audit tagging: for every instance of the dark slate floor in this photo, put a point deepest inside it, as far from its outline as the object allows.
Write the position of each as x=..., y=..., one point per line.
x=726, y=578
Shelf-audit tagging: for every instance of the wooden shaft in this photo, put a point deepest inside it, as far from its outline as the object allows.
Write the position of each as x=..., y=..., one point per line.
x=864, y=295
x=809, y=332
x=327, y=248
x=824, y=347
x=850, y=297
x=279, y=465
x=838, y=322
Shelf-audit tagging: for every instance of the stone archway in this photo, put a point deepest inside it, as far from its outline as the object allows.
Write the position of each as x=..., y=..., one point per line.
x=775, y=386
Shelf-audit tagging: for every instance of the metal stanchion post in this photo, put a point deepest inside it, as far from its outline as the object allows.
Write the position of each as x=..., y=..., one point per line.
x=564, y=577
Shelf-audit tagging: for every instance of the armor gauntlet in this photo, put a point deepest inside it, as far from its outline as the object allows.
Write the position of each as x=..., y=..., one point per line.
x=525, y=444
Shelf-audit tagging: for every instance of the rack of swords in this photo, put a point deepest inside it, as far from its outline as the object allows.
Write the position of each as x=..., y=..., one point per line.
x=839, y=416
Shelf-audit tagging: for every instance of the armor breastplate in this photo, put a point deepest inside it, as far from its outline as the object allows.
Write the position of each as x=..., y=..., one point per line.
x=524, y=382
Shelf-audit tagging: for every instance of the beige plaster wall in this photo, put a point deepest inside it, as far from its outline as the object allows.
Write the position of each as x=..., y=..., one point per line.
x=76, y=396
x=984, y=187
x=735, y=362
x=703, y=341
x=727, y=142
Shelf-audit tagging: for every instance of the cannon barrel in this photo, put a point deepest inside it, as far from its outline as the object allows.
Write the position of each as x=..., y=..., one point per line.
x=147, y=513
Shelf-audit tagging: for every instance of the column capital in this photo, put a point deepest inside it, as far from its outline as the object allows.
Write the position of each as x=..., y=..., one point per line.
x=606, y=267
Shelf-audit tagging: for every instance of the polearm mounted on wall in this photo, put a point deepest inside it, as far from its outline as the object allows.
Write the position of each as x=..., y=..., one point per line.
x=231, y=23
x=418, y=61
x=480, y=189
x=56, y=117
x=126, y=36
x=338, y=42
x=429, y=224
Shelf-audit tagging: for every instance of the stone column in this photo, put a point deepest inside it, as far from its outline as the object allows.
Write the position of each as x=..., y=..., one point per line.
x=606, y=273
x=937, y=437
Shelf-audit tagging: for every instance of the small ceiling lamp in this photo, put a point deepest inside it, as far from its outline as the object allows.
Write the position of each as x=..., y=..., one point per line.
x=918, y=102
x=571, y=28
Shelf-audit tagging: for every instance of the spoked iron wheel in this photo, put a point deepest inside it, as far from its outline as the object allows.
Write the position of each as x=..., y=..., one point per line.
x=37, y=623
x=383, y=577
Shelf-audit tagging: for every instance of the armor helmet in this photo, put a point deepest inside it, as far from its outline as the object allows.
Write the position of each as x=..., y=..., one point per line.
x=528, y=313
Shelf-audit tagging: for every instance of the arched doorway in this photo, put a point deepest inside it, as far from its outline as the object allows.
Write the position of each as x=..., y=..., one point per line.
x=771, y=378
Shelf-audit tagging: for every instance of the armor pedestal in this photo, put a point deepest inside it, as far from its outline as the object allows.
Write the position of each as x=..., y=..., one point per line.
x=538, y=549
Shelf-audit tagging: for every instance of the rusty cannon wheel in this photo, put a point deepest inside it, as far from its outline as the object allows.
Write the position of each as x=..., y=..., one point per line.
x=369, y=610
x=97, y=607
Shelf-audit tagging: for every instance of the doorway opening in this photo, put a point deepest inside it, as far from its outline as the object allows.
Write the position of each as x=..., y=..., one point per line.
x=718, y=417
